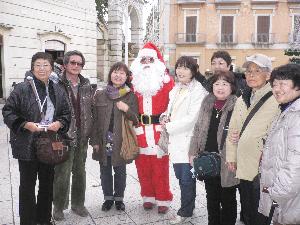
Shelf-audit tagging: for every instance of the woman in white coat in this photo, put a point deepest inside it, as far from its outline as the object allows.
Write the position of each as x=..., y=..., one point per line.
x=280, y=165
x=179, y=120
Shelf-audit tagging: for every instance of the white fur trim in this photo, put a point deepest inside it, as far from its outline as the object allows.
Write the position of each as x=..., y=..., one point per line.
x=166, y=79
x=149, y=199
x=163, y=203
x=150, y=150
x=149, y=133
x=138, y=130
x=147, y=105
x=147, y=52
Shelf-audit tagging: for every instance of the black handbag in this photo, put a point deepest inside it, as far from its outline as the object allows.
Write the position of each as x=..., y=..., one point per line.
x=207, y=165
x=51, y=148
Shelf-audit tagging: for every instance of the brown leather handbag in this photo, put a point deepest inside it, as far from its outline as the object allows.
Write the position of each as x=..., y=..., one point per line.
x=129, y=149
x=51, y=148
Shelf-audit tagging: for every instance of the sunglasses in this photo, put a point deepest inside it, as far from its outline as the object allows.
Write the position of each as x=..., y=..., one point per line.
x=145, y=60
x=73, y=63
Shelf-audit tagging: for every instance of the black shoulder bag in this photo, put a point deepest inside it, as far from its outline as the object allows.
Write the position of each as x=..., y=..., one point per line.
x=50, y=147
x=208, y=164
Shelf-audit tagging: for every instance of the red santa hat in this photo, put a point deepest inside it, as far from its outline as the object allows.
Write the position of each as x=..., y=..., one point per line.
x=150, y=50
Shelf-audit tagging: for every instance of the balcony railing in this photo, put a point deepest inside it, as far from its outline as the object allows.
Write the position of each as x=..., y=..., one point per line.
x=228, y=39
x=263, y=38
x=190, y=1
x=185, y=38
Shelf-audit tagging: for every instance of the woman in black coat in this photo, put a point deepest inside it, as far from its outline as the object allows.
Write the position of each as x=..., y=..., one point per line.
x=22, y=115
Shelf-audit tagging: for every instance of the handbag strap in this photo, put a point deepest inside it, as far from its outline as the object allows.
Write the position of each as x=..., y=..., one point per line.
x=37, y=97
x=225, y=130
x=255, y=109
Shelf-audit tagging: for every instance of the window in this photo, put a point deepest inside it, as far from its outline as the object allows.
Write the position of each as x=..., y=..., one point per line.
x=227, y=29
x=263, y=29
x=191, y=17
x=296, y=29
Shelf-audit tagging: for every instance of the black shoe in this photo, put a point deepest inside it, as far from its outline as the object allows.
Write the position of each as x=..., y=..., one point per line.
x=107, y=205
x=120, y=205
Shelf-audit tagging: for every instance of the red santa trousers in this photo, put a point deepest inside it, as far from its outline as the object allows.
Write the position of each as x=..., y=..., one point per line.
x=153, y=174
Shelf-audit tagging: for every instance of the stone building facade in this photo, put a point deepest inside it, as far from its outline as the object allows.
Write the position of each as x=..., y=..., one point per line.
x=242, y=27
x=56, y=26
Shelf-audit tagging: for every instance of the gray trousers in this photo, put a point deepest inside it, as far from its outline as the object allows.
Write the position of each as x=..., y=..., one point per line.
x=61, y=184
x=113, y=187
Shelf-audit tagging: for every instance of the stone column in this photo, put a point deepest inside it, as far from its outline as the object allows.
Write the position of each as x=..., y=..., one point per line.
x=115, y=34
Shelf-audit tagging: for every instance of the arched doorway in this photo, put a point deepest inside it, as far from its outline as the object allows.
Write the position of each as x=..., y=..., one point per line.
x=55, y=48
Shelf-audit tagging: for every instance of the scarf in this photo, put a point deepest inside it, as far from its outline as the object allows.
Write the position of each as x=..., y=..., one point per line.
x=115, y=93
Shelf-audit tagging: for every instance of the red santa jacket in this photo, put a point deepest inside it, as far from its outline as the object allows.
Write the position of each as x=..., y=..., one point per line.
x=148, y=135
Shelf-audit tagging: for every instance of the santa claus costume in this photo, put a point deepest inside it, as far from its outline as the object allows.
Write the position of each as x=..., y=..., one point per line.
x=152, y=85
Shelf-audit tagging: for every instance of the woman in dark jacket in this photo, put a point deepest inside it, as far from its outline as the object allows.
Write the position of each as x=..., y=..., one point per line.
x=109, y=106
x=22, y=115
x=209, y=135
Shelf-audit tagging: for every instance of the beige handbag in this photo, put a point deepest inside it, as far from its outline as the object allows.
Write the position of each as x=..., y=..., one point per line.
x=129, y=149
x=163, y=141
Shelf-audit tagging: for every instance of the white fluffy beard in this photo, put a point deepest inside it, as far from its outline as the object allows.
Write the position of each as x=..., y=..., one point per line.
x=147, y=78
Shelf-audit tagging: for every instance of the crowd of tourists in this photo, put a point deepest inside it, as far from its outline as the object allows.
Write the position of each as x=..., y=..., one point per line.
x=244, y=126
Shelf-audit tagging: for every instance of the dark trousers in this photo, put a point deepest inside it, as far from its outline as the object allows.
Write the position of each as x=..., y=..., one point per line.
x=187, y=188
x=32, y=210
x=221, y=202
x=250, y=201
x=113, y=187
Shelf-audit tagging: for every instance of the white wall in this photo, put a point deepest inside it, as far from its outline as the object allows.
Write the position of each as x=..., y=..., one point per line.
x=33, y=22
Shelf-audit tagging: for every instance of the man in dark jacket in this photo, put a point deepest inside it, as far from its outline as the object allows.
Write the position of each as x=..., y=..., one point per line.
x=80, y=94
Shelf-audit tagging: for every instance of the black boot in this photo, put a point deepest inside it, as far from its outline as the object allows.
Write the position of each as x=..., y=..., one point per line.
x=120, y=205
x=107, y=205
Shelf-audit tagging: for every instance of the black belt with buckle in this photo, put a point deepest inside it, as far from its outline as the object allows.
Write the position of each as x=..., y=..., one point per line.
x=149, y=119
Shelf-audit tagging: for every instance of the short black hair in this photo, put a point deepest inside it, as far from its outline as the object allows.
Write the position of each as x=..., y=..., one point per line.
x=224, y=75
x=222, y=54
x=119, y=66
x=42, y=55
x=68, y=54
x=288, y=71
x=188, y=62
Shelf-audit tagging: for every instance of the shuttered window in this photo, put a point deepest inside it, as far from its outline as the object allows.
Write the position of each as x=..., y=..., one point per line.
x=191, y=28
x=191, y=17
x=296, y=33
x=227, y=29
x=263, y=29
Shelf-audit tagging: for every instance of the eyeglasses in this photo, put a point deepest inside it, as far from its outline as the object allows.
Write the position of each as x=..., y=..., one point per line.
x=73, y=63
x=40, y=66
x=145, y=60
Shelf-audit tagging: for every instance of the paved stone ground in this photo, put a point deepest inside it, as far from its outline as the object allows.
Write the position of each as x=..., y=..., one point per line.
x=134, y=213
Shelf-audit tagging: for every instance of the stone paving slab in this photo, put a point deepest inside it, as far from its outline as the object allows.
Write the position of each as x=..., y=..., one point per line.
x=133, y=215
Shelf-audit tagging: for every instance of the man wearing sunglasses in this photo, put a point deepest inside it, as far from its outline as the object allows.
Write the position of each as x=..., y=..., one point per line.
x=80, y=95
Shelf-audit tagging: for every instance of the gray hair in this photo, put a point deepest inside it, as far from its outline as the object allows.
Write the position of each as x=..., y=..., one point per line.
x=68, y=54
